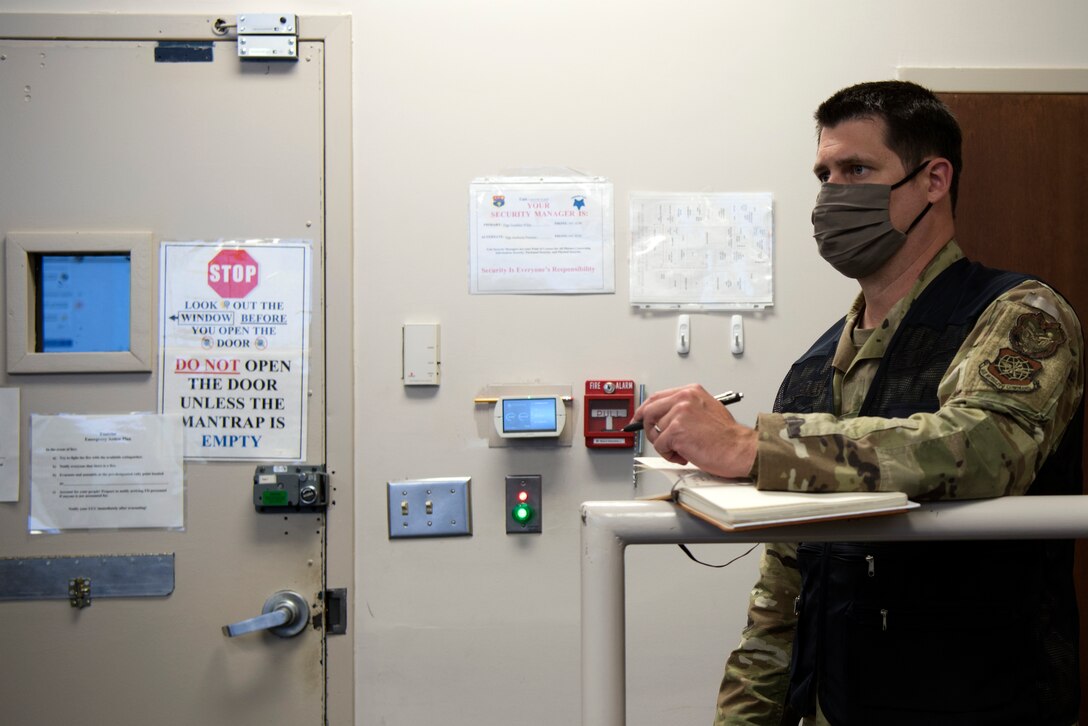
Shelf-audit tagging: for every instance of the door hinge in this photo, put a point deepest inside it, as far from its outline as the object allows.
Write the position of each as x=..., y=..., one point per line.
x=336, y=611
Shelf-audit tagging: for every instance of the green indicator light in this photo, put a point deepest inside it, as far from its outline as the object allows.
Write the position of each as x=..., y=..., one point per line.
x=274, y=497
x=522, y=513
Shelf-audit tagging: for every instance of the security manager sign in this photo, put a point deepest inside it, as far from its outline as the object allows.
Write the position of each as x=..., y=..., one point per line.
x=234, y=327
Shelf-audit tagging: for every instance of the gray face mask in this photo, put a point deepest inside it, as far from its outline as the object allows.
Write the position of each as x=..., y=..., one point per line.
x=853, y=227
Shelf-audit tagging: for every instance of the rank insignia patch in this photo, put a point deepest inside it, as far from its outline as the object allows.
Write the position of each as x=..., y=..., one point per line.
x=1011, y=371
x=1036, y=335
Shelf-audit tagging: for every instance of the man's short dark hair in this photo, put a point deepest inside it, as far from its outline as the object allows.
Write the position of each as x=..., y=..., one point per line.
x=919, y=124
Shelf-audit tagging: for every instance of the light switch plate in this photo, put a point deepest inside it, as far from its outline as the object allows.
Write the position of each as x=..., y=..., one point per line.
x=439, y=507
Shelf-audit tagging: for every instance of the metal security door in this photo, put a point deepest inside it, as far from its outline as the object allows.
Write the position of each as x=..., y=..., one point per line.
x=180, y=142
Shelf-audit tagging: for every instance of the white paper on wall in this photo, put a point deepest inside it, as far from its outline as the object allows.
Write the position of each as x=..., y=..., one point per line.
x=702, y=251
x=234, y=343
x=541, y=235
x=106, y=472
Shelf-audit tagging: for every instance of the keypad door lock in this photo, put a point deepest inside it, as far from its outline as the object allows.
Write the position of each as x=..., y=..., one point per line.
x=290, y=488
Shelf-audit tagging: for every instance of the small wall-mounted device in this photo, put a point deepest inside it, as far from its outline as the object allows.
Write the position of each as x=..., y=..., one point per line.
x=609, y=406
x=522, y=417
x=524, y=504
x=736, y=335
x=290, y=488
x=683, y=335
x=421, y=354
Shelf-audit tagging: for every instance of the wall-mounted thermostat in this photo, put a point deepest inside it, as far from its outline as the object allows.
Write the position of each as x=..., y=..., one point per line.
x=522, y=417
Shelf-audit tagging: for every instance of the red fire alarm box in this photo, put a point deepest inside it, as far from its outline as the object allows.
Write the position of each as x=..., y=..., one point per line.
x=609, y=406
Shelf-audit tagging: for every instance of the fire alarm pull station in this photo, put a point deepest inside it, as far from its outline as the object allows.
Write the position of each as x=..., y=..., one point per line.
x=609, y=406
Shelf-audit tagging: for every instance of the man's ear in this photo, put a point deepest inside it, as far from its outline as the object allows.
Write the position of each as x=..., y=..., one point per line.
x=939, y=178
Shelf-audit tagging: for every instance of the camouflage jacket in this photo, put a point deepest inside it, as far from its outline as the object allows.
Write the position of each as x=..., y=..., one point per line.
x=1006, y=399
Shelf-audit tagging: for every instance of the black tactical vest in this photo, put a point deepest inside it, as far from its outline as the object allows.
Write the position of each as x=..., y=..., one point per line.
x=934, y=633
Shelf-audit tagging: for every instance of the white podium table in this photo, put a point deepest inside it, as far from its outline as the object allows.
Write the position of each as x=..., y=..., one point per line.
x=608, y=527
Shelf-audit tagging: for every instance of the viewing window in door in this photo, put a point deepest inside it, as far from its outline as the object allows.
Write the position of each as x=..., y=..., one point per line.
x=82, y=303
x=79, y=302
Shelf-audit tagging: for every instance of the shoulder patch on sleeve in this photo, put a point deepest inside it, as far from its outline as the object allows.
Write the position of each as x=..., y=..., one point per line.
x=1036, y=335
x=1011, y=371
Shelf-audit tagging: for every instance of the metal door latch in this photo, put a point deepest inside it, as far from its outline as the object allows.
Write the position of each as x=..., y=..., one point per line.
x=79, y=592
x=268, y=36
x=336, y=610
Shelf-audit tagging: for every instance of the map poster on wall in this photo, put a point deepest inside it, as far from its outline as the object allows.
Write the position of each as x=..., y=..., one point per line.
x=541, y=235
x=234, y=346
x=702, y=251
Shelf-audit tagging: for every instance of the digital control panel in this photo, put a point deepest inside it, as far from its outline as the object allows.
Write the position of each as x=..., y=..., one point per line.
x=529, y=416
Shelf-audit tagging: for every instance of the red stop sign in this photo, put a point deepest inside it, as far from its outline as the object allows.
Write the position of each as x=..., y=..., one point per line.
x=232, y=273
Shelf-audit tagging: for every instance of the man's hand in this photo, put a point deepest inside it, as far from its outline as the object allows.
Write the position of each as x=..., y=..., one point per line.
x=689, y=425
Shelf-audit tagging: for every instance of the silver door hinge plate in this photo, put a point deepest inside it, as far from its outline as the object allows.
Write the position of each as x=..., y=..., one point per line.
x=70, y=578
x=268, y=36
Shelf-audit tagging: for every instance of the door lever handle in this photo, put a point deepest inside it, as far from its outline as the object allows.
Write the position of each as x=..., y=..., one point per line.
x=285, y=614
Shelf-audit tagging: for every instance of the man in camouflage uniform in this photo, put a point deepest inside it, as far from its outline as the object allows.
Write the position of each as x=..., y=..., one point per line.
x=992, y=422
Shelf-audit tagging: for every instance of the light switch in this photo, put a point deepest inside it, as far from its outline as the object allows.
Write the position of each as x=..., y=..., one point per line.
x=430, y=508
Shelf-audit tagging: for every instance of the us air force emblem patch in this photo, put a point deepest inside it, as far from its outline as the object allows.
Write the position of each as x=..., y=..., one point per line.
x=1011, y=371
x=1035, y=336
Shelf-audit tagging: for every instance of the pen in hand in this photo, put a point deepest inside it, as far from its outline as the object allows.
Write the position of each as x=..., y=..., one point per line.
x=723, y=398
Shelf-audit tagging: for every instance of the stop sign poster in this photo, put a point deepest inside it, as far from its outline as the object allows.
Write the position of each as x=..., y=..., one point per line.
x=234, y=333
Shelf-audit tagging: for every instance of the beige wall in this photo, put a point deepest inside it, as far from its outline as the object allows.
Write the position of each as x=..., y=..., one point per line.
x=676, y=95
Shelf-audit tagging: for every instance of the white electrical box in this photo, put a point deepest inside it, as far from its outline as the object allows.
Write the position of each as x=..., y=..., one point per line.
x=422, y=361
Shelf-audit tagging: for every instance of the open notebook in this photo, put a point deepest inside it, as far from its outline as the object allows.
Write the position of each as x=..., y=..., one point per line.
x=734, y=504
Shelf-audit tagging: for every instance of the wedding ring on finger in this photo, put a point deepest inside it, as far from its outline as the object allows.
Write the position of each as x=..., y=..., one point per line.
x=657, y=428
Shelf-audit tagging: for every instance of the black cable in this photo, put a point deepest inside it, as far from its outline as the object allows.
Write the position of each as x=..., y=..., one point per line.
x=707, y=564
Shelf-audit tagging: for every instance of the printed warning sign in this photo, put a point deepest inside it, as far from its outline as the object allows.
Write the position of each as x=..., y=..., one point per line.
x=234, y=346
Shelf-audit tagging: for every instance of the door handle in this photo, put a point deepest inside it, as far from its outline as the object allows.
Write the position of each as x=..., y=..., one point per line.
x=285, y=614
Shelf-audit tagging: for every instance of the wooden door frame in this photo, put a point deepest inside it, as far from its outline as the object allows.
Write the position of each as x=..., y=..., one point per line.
x=334, y=32
x=997, y=80
x=1018, y=81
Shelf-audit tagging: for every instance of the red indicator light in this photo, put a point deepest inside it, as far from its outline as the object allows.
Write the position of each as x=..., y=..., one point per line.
x=523, y=496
